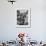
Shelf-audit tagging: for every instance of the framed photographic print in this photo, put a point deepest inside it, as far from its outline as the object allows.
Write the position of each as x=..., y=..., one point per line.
x=23, y=17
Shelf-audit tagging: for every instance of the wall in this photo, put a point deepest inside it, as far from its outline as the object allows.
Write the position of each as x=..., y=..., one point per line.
x=8, y=28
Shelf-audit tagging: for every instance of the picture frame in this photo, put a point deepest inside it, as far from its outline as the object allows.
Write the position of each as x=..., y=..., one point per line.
x=23, y=17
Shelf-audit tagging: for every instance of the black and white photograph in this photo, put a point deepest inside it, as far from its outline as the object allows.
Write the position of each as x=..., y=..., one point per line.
x=23, y=17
